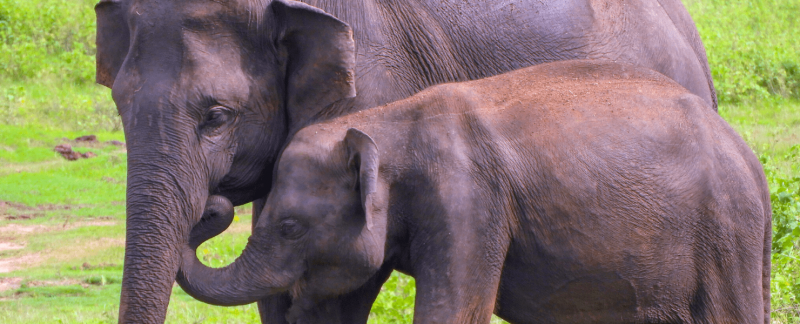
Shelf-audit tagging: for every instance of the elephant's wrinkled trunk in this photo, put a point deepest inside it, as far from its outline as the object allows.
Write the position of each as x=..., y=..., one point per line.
x=246, y=280
x=217, y=216
x=160, y=214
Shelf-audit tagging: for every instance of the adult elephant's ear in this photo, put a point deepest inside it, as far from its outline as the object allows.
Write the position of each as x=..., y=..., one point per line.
x=363, y=160
x=113, y=39
x=318, y=54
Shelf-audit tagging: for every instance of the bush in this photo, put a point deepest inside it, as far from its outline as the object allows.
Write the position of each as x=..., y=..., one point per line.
x=785, y=198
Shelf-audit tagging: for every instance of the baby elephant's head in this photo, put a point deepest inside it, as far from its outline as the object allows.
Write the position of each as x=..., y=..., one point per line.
x=325, y=218
x=322, y=232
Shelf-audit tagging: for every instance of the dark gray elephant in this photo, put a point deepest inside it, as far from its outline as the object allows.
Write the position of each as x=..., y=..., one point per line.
x=209, y=90
x=568, y=192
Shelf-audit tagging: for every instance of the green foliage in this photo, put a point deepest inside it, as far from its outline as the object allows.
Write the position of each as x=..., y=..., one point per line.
x=48, y=39
x=395, y=303
x=48, y=103
x=47, y=55
x=752, y=46
x=785, y=198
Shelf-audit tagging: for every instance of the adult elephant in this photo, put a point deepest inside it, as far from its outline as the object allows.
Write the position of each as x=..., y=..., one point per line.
x=210, y=90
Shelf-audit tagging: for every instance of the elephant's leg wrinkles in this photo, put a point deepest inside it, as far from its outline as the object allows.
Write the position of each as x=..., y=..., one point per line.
x=453, y=288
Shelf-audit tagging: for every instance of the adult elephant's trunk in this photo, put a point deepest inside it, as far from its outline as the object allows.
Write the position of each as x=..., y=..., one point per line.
x=161, y=211
x=248, y=279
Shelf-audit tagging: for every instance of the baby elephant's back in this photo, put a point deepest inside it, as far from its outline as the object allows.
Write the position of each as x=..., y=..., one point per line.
x=624, y=181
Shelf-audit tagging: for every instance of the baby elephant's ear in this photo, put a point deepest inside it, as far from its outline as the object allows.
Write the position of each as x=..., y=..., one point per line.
x=363, y=158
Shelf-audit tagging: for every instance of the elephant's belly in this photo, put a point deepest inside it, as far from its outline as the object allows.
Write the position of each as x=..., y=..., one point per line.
x=554, y=291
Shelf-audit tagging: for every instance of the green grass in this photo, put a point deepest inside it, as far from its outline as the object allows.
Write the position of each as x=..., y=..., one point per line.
x=752, y=46
x=67, y=218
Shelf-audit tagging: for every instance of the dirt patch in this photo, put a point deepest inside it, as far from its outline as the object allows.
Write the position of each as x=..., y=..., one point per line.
x=25, y=261
x=64, y=282
x=8, y=246
x=10, y=283
x=16, y=211
x=89, y=266
x=66, y=152
x=10, y=210
x=17, y=229
x=68, y=225
x=12, y=237
x=92, y=141
x=87, y=138
x=21, y=229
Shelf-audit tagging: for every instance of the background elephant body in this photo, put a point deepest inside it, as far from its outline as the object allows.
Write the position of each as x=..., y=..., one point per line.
x=209, y=91
x=569, y=192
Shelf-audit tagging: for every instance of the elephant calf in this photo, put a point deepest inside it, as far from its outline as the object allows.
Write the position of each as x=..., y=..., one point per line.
x=569, y=192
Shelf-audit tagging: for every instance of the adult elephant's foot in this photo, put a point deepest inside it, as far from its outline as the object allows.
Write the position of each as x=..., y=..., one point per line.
x=217, y=216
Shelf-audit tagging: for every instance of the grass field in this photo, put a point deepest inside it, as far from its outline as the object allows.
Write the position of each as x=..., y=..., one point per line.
x=62, y=223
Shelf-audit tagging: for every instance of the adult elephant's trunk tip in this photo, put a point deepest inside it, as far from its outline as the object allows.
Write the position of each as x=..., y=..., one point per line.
x=245, y=281
x=217, y=216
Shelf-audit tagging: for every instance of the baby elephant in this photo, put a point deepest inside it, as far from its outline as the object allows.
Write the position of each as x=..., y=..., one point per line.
x=569, y=192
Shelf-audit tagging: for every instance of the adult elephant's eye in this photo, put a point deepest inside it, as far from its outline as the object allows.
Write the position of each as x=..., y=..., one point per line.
x=291, y=229
x=215, y=117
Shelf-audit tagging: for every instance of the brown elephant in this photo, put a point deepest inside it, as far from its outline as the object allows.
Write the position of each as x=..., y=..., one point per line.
x=209, y=91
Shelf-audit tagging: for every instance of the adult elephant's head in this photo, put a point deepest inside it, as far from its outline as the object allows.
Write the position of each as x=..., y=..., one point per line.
x=208, y=91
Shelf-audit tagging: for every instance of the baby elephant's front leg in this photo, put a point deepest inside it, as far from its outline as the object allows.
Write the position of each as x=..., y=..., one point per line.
x=457, y=282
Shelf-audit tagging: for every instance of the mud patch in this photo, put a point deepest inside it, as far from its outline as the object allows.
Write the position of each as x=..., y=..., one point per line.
x=8, y=246
x=21, y=229
x=87, y=138
x=68, y=225
x=46, y=283
x=89, y=266
x=25, y=261
x=16, y=211
x=12, y=237
x=66, y=152
x=10, y=283
x=92, y=141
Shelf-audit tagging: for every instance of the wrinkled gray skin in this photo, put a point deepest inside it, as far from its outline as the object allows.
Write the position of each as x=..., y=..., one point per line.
x=209, y=91
x=568, y=192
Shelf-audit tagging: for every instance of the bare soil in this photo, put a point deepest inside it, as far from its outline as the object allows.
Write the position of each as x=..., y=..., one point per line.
x=10, y=283
x=11, y=264
x=13, y=237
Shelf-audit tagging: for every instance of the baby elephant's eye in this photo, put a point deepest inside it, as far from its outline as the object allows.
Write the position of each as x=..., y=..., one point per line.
x=291, y=229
